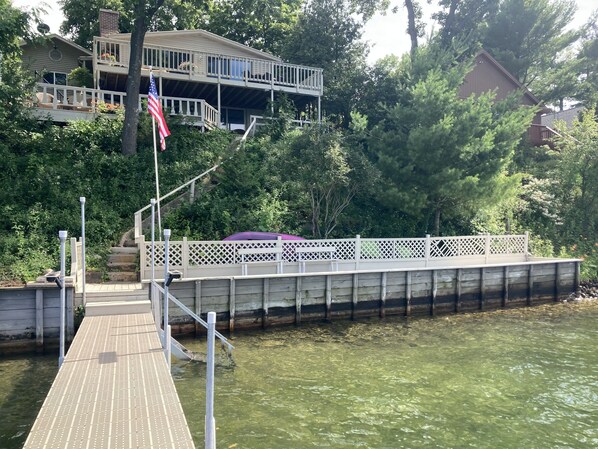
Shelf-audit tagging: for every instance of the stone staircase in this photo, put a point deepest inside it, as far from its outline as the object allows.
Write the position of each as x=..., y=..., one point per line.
x=116, y=299
x=122, y=264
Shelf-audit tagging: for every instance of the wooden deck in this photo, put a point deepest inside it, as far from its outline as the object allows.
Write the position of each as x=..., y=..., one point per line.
x=113, y=390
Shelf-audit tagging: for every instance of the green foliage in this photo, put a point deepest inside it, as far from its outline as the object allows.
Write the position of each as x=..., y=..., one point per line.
x=80, y=77
x=443, y=155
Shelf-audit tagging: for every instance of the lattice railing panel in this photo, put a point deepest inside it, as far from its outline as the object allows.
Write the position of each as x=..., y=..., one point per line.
x=392, y=249
x=211, y=253
x=507, y=244
x=457, y=246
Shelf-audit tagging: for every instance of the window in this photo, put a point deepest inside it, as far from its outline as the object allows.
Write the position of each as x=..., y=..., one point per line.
x=233, y=119
x=55, y=78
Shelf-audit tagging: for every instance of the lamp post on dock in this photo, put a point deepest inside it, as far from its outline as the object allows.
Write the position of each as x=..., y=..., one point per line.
x=167, y=281
x=210, y=430
x=82, y=200
x=62, y=236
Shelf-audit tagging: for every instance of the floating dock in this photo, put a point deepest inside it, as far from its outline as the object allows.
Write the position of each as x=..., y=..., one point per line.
x=114, y=390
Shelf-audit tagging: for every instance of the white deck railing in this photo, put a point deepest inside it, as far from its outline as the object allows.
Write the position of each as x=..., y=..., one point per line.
x=82, y=99
x=225, y=258
x=205, y=66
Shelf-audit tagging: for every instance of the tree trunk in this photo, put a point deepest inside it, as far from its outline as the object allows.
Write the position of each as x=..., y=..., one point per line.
x=437, y=222
x=447, y=32
x=411, y=28
x=143, y=17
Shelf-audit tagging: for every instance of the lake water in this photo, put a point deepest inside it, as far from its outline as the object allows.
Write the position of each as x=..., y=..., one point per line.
x=525, y=378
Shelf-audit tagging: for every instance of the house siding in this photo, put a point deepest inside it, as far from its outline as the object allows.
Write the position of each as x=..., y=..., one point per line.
x=36, y=58
x=486, y=77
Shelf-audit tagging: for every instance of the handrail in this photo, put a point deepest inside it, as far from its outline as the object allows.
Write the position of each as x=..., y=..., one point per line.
x=188, y=311
x=188, y=183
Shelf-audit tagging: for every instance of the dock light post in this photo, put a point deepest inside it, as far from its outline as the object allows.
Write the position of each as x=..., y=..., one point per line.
x=166, y=240
x=155, y=305
x=210, y=430
x=60, y=282
x=82, y=200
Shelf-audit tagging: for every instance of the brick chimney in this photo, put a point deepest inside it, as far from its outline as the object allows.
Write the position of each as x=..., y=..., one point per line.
x=108, y=22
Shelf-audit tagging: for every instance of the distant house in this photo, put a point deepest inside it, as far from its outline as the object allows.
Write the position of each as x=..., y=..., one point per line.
x=489, y=75
x=210, y=80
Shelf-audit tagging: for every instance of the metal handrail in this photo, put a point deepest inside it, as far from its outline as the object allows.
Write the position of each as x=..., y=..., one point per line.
x=137, y=214
x=188, y=311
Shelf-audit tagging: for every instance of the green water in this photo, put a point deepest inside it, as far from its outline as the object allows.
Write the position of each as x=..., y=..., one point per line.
x=524, y=378
x=509, y=379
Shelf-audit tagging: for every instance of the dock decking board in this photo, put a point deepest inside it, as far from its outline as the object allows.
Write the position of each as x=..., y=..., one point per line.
x=112, y=391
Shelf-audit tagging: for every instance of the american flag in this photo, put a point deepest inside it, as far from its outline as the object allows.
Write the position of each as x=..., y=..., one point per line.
x=155, y=109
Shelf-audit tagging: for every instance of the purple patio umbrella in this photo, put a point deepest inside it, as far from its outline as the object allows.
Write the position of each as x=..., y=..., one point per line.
x=254, y=235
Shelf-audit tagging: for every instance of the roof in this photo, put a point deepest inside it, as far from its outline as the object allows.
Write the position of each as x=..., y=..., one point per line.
x=205, y=34
x=65, y=41
x=508, y=74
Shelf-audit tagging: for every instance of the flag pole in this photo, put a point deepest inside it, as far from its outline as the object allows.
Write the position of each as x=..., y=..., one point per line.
x=157, y=179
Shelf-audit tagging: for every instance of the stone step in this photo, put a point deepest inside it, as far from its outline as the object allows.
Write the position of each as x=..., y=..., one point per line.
x=117, y=308
x=123, y=276
x=123, y=250
x=122, y=266
x=122, y=258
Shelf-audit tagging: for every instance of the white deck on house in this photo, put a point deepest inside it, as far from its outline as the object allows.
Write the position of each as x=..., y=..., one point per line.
x=113, y=390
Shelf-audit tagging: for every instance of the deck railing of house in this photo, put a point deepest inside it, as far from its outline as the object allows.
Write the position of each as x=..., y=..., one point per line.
x=233, y=258
x=81, y=99
x=201, y=65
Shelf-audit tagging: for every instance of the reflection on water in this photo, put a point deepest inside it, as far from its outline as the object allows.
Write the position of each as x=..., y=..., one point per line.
x=506, y=379
x=24, y=383
x=525, y=378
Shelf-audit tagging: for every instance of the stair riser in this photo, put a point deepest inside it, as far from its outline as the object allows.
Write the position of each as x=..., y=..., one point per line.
x=122, y=258
x=117, y=309
x=123, y=276
x=96, y=299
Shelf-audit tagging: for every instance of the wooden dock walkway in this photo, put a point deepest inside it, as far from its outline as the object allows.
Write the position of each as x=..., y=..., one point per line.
x=113, y=390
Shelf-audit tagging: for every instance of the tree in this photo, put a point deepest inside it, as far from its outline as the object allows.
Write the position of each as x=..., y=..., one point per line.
x=144, y=10
x=442, y=155
x=576, y=178
x=526, y=36
x=261, y=24
x=341, y=172
x=337, y=49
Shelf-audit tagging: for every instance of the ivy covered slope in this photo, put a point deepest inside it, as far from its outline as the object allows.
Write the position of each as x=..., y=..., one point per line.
x=46, y=169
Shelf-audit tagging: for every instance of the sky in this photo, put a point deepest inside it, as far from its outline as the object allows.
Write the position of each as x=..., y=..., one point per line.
x=387, y=32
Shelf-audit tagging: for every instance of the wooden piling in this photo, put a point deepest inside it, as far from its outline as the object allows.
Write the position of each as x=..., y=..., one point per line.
x=328, y=297
x=408, y=293
x=458, y=290
x=383, y=281
x=355, y=295
x=298, y=287
x=232, y=305
x=434, y=292
x=265, y=301
x=39, y=319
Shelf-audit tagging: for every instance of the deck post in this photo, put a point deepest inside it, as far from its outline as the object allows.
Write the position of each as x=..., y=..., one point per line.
x=577, y=278
x=487, y=248
x=357, y=251
x=210, y=423
x=427, y=249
